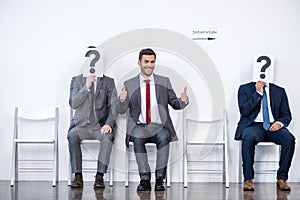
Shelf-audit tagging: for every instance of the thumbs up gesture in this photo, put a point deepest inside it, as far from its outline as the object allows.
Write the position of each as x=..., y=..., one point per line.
x=123, y=94
x=184, y=96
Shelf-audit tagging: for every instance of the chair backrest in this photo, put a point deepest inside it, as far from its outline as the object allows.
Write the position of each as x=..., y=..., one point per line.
x=36, y=125
x=206, y=134
x=211, y=130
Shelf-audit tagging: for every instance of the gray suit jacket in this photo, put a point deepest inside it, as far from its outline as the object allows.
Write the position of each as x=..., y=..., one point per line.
x=165, y=95
x=105, y=101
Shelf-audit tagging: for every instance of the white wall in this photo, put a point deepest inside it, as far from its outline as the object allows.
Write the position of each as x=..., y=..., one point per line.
x=43, y=46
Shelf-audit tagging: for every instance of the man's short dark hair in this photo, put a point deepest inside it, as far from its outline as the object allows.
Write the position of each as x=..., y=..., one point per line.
x=148, y=52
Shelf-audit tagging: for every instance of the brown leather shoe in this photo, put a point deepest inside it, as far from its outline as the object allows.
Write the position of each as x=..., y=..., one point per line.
x=249, y=185
x=99, y=181
x=77, y=182
x=282, y=185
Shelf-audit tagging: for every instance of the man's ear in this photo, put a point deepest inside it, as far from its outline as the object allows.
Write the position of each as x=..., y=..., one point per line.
x=139, y=62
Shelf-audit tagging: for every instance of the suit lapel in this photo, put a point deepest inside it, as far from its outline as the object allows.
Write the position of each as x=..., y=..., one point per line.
x=137, y=90
x=157, y=86
x=99, y=86
x=83, y=82
x=271, y=93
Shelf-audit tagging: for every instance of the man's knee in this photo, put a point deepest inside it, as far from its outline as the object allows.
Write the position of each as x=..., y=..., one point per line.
x=109, y=138
x=138, y=141
x=73, y=136
x=249, y=136
x=162, y=139
x=287, y=138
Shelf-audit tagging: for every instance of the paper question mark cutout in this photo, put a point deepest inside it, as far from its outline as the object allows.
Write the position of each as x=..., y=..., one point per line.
x=265, y=66
x=94, y=60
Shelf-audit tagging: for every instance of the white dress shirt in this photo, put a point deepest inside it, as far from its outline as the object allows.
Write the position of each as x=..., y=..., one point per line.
x=259, y=117
x=155, y=116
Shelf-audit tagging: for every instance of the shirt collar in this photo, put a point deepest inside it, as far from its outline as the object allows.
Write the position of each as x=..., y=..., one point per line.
x=267, y=85
x=151, y=78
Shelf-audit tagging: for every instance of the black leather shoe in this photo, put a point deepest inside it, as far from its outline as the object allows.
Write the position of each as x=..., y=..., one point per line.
x=159, y=185
x=144, y=186
x=99, y=181
x=77, y=182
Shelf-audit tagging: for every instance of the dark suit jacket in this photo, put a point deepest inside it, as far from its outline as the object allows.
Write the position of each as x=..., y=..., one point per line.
x=105, y=101
x=250, y=101
x=165, y=95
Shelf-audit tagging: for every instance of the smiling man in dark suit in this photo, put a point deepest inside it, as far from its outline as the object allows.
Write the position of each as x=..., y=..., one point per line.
x=265, y=114
x=93, y=100
x=147, y=96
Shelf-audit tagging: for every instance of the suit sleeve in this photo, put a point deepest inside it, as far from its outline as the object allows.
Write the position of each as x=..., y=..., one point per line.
x=285, y=112
x=247, y=103
x=173, y=101
x=111, y=104
x=78, y=94
x=122, y=106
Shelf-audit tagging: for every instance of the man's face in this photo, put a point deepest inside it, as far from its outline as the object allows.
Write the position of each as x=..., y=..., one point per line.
x=147, y=64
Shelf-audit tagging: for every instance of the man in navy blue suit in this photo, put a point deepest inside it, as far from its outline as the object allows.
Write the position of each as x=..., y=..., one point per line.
x=265, y=114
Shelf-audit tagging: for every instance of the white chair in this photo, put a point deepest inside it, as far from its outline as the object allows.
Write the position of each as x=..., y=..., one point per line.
x=91, y=159
x=264, y=146
x=129, y=151
x=210, y=144
x=38, y=139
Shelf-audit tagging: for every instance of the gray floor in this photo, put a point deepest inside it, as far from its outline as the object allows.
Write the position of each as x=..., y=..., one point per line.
x=31, y=190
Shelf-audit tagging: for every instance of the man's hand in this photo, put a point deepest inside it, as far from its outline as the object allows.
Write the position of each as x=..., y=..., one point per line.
x=106, y=129
x=123, y=94
x=275, y=127
x=90, y=80
x=184, y=96
x=259, y=86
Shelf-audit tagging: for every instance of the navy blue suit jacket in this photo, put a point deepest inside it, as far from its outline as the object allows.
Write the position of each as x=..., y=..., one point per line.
x=250, y=101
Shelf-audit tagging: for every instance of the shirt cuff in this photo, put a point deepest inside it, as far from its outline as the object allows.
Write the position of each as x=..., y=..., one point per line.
x=122, y=100
x=88, y=89
x=281, y=124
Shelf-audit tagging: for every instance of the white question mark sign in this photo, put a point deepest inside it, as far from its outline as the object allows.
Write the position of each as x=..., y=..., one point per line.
x=94, y=60
x=265, y=66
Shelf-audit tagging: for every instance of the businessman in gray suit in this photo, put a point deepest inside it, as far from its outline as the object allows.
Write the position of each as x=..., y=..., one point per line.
x=147, y=96
x=93, y=100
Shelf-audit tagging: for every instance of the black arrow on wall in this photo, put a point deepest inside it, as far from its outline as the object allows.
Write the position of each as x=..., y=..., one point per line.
x=208, y=38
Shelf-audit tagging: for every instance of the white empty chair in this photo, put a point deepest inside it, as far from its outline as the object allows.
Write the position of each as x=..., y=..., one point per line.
x=222, y=141
x=34, y=139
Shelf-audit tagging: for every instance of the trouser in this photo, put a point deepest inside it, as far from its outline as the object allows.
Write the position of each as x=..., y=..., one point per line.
x=255, y=134
x=76, y=135
x=151, y=133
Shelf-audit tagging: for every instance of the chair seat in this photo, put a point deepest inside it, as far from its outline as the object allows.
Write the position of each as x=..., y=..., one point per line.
x=32, y=141
x=206, y=143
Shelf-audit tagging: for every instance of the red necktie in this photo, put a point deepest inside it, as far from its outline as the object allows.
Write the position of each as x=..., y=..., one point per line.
x=148, y=102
